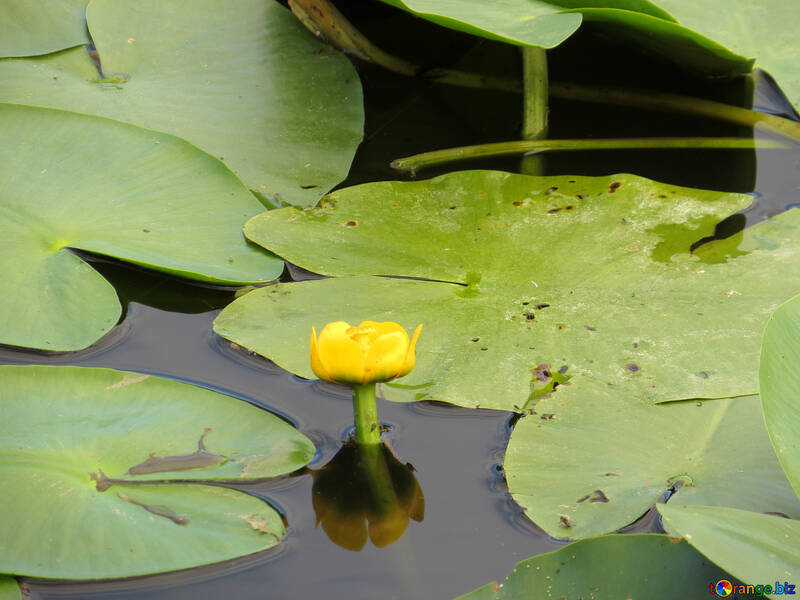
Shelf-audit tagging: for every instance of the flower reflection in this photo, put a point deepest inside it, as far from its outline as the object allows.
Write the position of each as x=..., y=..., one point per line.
x=365, y=491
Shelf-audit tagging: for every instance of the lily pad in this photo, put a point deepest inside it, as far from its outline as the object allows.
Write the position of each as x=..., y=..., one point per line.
x=248, y=85
x=766, y=30
x=77, y=182
x=779, y=377
x=758, y=549
x=9, y=589
x=610, y=568
x=29, y=28
x=586, y=282
x=546, y=24
x=594, y=465
x=76, y=445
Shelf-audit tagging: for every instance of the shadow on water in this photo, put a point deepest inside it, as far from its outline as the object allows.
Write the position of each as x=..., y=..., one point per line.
x=472, y=531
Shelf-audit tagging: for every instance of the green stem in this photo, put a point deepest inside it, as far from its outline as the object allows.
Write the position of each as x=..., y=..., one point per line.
x=411, y=164
x=534, y=121
x=674, y=103
x=365, y=414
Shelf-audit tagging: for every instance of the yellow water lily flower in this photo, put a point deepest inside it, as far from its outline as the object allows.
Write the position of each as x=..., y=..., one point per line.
x=368, y=353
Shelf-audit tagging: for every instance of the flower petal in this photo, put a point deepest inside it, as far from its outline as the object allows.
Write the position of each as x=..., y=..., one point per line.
x=341, y=356
x=386, y=356
x=411, y=356
x=316, y=363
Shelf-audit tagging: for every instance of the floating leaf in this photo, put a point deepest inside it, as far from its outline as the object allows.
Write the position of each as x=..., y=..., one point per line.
x=72, y=441
x=9, y=589
x=758, y=549
x=590, y=281
x=546, y=24
x=73, y=181
x=608, y=568
x=249, y=85
x=603, y=462
x=766, y=30
x=779, y=378
x=29, y=28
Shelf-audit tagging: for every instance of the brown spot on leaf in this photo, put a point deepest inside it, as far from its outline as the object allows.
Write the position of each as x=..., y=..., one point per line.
x=565, y=521
x=615, y=185
x=633, y=367
x=351, y=224
x=590, y=328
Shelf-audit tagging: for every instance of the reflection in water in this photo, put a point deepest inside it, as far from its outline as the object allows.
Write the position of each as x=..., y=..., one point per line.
x=365, y=491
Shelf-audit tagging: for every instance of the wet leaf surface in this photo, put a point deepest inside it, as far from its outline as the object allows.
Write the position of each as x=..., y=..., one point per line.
x=78, y=182
x=592, y=276
x=72, y=507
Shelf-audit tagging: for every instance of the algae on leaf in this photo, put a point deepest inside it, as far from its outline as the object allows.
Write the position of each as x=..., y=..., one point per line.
x=72, y=181
x=244, y=82
x=72, y=448
x=592, y=279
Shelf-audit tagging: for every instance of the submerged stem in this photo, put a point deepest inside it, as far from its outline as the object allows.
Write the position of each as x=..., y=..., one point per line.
x=413, y=163
x=534, y=121
x=365, y=414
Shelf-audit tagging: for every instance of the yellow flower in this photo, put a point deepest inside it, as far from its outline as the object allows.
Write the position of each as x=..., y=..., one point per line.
x=368, y=353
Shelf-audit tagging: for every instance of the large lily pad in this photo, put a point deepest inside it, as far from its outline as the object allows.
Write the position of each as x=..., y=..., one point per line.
x=28, y=28
x=75, y=442
x=73, y=181
x=9, y=589
x=247, y=84
x=593, y=465
x=535, y=281
x=779, y=378
x=758, y=549
x=547, y=23
x=608, y=568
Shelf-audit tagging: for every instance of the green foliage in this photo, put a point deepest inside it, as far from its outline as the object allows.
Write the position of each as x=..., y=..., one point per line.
x=28, y=28
x=759, y=547
x=78, y=182
x=74, y=443
x=608, y=568
x=603, y=462
x=590, y=276
x=547, y=23
x=249, y=86
x=756, y=548
x=9, y=589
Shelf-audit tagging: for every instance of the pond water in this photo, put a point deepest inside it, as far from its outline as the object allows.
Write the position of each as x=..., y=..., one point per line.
x=472, y=532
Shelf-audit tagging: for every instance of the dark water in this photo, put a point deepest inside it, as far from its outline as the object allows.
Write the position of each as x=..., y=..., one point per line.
x=472, y=533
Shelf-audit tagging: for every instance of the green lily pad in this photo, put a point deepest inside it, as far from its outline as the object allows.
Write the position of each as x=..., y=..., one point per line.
x=546, y=24
x=534, y=281
x=248, y=85
x=766, y=30
x=758, y=549
x=9, y=589
x=610, y=568
x=603, y=462
x=74, y=181
x=74, y=444
x=779, y=378
x=28, y=28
